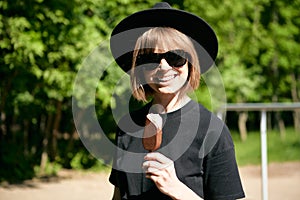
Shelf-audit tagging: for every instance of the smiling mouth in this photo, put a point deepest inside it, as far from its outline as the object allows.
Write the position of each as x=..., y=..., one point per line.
x=165, y=78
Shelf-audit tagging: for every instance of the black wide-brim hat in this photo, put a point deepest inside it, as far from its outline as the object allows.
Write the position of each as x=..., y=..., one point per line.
x=126, y=33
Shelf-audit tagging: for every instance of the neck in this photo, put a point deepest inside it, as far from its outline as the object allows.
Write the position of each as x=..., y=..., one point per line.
x=169, y=102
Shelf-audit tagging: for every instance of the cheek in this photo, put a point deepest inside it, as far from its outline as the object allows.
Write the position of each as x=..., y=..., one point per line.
x=148, y=77
x=185, y=73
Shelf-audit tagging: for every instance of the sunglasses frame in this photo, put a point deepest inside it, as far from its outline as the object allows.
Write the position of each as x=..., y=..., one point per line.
x=176, y=58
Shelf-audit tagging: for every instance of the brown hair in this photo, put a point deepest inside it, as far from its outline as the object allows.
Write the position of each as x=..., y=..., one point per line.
x=163, y=38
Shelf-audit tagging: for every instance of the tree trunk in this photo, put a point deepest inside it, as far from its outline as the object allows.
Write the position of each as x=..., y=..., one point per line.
x=243, y=116
x=269, y=120
x=26, y=136
x=74, y=134
x=44, y=157
x=55, y=130
x=297, y=120
x=2, y=125
x=295, y=98
x=6, y=88
x=281, y=125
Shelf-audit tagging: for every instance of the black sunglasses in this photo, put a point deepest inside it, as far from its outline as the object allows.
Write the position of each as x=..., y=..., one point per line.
x=175, y=58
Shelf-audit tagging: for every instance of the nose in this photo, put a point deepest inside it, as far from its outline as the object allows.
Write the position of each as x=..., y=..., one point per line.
x=164, y=65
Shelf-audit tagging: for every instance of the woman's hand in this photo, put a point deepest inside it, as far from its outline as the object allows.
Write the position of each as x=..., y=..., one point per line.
x=161, y=170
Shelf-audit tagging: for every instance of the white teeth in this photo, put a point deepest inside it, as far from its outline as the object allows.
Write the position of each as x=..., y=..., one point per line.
x=167, y=78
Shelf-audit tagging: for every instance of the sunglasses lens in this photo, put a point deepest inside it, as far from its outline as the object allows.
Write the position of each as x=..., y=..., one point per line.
x=148, y=61
x=175, y=58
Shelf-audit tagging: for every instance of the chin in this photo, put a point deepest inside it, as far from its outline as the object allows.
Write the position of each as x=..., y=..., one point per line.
x=168, y=90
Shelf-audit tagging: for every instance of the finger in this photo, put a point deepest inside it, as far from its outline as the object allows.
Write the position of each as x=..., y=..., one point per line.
x=153, y=164
x=156, y=156
x=154, y=167
x=149, y=175
x=153, y=171
x=157, y=179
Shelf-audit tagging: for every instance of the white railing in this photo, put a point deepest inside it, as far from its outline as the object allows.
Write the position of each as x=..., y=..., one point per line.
x=263, y=108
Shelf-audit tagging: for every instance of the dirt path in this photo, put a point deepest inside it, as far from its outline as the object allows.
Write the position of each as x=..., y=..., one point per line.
x=284, y=181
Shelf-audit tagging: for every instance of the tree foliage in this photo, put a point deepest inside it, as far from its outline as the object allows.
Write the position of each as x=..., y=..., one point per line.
x=45, y=43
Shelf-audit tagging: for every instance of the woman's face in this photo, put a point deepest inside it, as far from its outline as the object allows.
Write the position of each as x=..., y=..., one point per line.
x=165, y=78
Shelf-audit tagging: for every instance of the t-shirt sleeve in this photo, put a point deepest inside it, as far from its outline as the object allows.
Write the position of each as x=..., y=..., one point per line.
x=221, y=175
x=117, y=177
x=113, y=178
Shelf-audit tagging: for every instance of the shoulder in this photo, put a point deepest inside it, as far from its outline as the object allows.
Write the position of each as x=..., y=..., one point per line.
x=217, y=137
x=209, y=122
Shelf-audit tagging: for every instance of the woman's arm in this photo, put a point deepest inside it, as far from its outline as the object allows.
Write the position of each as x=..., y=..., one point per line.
x=182, y=192
x=117, y=194
x=162, y=171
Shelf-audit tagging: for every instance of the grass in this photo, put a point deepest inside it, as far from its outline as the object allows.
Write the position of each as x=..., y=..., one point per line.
x=279, y=150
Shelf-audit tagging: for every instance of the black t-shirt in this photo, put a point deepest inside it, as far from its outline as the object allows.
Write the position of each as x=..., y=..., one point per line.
x=196, y=140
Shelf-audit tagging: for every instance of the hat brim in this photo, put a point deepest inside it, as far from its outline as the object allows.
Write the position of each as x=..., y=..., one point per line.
x=125, y=34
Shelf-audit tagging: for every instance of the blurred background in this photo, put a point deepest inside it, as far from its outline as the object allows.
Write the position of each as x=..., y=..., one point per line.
x=44, y=42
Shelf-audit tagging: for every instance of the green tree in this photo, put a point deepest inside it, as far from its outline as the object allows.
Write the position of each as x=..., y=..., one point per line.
x=259, y=49
x=44, y=44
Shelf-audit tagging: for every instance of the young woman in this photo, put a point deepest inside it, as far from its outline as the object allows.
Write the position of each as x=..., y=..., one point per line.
x=191, y=156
